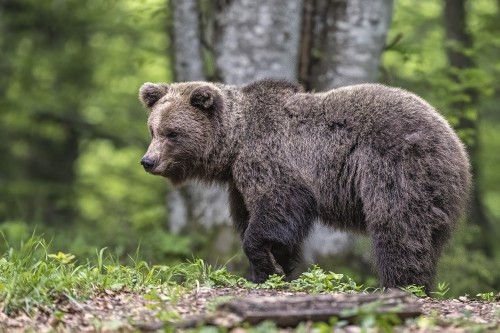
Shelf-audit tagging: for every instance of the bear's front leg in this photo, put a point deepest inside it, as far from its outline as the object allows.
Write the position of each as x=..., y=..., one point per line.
x=279, y=258
x=262, y=262
x=277, y=227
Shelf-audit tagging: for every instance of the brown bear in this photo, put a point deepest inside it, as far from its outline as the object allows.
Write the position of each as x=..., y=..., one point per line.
x=366, y=158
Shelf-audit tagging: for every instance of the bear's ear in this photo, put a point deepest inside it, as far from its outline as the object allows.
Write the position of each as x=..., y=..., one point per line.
x=150, y=93
x=206, y=98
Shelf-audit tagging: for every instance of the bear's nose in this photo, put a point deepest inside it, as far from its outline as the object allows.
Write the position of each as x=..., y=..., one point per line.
x=147, y=163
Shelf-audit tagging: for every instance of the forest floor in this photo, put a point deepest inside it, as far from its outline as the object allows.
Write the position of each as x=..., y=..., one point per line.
x=111, y=311
x=42, y=291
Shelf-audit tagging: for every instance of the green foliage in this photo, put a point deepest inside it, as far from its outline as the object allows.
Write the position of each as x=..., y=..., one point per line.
x=31, y=276
x=74, y=129
x=316, y=280
x=199, y=273
x=264, y=327
x=488, y=297
x=442, y=289
x=490, y=139
x=417, y=291
x=467, y=269
x=329, y=327
x=274, y=282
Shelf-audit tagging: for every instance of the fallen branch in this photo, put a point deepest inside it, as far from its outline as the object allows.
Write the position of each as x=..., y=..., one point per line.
x=289, y=311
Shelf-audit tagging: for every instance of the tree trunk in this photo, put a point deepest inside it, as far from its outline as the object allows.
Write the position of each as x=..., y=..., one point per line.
x=188, y=62
x=257, y=39
x=208, y=205
x=346, y=39
x=455, y=19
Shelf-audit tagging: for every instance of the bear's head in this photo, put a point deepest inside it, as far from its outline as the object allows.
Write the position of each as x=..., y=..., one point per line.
x=181, y=122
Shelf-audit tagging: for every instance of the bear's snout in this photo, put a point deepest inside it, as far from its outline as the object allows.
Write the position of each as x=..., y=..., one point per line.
x=147, y=163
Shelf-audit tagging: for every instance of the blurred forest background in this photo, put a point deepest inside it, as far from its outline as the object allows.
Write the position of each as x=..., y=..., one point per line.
x=72, y=131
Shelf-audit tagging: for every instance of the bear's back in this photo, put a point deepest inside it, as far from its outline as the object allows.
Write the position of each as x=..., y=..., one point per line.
x=387, y=118
x=378, y=105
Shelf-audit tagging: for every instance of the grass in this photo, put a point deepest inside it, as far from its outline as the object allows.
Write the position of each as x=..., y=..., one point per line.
x=32, y=277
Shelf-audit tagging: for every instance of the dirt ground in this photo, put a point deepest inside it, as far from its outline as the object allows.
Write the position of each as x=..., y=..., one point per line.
x=125, y=312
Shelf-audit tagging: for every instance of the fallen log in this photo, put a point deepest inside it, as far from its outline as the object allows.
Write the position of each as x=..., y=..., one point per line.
x=289, y=311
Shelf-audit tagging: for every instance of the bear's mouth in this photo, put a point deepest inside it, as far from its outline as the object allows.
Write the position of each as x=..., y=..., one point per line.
x=159, y=170
x=176, y=173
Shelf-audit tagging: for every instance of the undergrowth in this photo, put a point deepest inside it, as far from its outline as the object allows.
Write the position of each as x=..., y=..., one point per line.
x=32, y=277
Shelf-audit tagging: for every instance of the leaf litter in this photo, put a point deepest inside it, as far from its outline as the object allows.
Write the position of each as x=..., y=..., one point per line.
x=122, y=311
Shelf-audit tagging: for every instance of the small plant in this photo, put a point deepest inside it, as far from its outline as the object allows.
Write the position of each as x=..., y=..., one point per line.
x=442, y=289
x=264, y=327
x=333, y=323
x=488, y=297
x=197, y=272
x=274, y=282
x=63, y=258
x=222, y=278
x=417, y=291
x=316, y=280
x=161, y=301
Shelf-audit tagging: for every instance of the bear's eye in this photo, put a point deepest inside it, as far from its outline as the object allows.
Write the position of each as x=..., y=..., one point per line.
x=151, y=132
x=172, y=135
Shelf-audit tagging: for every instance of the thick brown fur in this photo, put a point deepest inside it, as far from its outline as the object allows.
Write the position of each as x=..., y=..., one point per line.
x=366, y=158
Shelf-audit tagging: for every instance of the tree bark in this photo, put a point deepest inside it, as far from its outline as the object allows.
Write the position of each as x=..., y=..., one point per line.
x=257, y=39
x=188, y=62
x=347, y=40
x=455, y=20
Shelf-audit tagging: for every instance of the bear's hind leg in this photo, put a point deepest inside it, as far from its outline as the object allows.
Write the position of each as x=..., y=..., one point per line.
x=402, y=258
x=407, y=232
